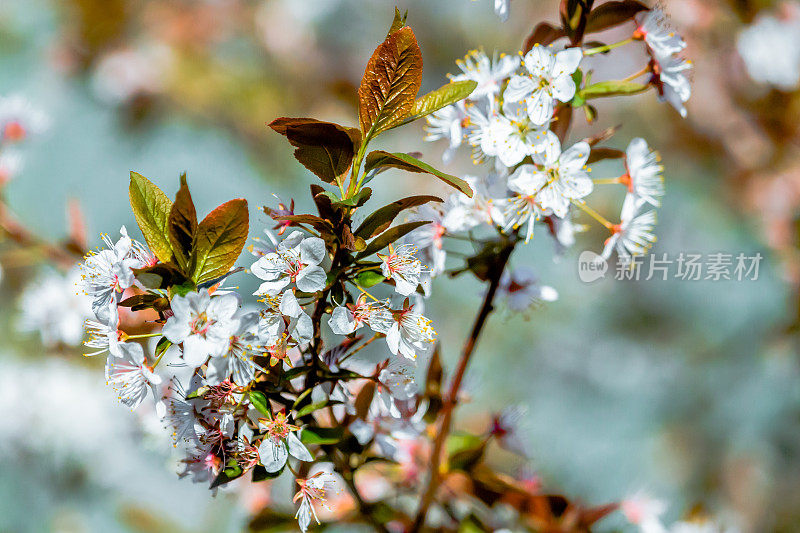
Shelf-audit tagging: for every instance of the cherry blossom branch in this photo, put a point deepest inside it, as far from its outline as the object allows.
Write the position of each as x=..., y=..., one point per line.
x=25, y=238
x=452, y=396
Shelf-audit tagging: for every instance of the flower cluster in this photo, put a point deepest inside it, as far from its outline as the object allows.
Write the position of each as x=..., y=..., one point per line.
x=279, y=386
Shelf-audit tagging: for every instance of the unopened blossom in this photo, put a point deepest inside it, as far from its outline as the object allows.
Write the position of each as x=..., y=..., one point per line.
x=449, y=124
x=644, y=176
x=20, y=119
x=108, y=272
x=770, y=49
x=560, y=177
x=645, y=512
x=653, y=28
x=634, y=234
x=296, y=260
x=280, y=441
x=312, y=491
x=10, y=165
x=670, y=81
x=548, y=78
x=410, y=333
x=237, y=360
x=488, y=73
x=130, y=376
x=53, y=306
x=521, y=289
x=345, y=319
x=402, y=266
x=203, y=323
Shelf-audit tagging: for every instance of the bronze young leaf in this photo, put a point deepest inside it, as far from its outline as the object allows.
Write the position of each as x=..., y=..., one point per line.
x=390, y=84
x=219, y=240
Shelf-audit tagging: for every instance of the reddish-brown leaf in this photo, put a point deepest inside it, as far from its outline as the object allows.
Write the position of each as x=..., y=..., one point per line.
x=391, y=82
x=544, y=33
x=613, y=14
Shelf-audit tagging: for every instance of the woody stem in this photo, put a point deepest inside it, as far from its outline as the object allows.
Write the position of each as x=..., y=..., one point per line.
x=450, y=401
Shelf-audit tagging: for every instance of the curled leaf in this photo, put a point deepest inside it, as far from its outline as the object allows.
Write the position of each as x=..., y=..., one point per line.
x=379, y=158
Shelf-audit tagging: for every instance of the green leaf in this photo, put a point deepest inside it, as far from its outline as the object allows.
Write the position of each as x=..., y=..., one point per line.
x=357, y=200
x=219, y=240
x=379, y=158
x=390, y=83
x=612, y=88
x=464, y=450
x=295, y=372
x=453, y=92
x=370, y=278
x=612, y=14
x=181, y=225
x=231, y=471
x=390, y=236
x=151, y=208
x=322, y=435
x=324, y=148
x=310, y=408
x=162, y=347
x=383, y=217
x=260, y=402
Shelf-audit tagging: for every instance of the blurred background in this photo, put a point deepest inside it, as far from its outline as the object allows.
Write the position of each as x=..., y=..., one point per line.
x=687, y=390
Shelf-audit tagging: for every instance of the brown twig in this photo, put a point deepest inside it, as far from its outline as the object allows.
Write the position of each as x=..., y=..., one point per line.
x=452, y=395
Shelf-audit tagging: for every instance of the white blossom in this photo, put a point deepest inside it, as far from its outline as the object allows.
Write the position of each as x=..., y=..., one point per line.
x=671, y=82
x=447, y=123
x=312, y=490
x=662, y=40
x=634, y=234
x=108, y=272
x=10, y=165
x=410, y=333
x=237, y=360
x=463, y=213
x=770, y=49
x=548, y=78
x=502, y=9
x=644, y=177
x=521, y=289
x=53, y=307
x=203, y=323
x=489, y=74
x=428, y=239
x=644, y=512
x=280, y=441
x=402, y=266
x=345, y=319
x=130, y=376
x=559, y=178
x=296, y=260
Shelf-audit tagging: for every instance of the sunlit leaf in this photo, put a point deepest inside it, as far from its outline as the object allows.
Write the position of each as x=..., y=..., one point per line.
x=612, y=88
x=322, y=435
x=151, y=208
x=379, y=158
x=398, y=22
x=260, y=402
x=391, y=82
x=370, y=278
x=219, y=240
x=453, y=92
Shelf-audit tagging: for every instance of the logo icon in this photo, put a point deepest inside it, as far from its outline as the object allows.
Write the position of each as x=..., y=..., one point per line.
x=591, y=267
